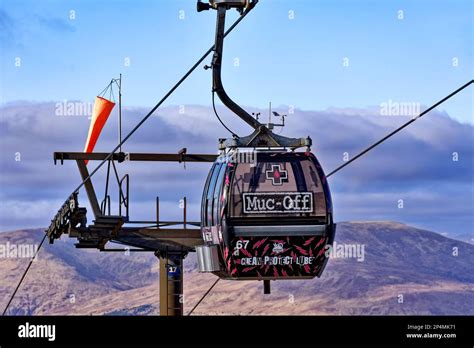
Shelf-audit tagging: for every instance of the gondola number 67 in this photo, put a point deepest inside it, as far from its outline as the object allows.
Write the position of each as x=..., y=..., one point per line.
x=239, y=245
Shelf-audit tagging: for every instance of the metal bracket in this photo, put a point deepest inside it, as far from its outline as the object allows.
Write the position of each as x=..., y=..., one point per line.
x=263, y=137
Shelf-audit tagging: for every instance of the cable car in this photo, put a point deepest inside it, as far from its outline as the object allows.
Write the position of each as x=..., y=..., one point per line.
x=267, y=218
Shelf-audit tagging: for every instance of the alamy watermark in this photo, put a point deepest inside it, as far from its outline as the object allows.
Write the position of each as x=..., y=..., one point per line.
x=9, y=250
x=28, y=330
x=74, y=108
x=239, y=156
x=343, y=251
x=393, y=108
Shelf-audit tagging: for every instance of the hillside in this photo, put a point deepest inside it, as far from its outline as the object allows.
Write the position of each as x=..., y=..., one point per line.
x=398, y=260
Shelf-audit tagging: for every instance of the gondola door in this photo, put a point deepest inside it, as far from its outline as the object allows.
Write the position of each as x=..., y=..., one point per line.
x=212, y=204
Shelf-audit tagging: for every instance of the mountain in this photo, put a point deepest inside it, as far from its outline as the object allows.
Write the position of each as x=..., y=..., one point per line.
x=403, y=270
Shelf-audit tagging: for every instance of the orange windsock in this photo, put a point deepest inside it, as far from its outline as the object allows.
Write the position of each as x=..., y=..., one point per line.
x=102, y=109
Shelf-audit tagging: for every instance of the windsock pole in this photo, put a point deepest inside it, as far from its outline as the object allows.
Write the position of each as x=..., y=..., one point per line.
x=120, y=113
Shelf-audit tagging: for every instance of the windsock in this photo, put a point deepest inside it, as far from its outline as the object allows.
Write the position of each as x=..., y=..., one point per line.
x=102, y=109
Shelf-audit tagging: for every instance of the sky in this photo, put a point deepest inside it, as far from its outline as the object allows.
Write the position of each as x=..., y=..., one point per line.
x=292, y=53
x=310, y=54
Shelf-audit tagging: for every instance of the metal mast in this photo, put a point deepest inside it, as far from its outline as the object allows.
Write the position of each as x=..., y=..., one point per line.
x=262, y=135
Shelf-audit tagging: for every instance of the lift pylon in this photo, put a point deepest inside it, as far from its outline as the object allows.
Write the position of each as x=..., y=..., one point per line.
x=171, y=283
x=169, y=240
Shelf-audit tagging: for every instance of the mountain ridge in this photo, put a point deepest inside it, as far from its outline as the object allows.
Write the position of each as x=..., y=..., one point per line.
x=405, y=270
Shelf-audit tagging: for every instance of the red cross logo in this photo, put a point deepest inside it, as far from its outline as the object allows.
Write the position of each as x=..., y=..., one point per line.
x=276, y=175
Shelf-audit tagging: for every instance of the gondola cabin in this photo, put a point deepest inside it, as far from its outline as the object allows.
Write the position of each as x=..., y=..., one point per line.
x=265, y=215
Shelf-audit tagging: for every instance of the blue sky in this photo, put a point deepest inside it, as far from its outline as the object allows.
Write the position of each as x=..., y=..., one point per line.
x=287, y=61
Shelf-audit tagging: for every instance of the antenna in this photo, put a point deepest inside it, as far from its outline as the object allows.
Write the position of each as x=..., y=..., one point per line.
x=272, y=125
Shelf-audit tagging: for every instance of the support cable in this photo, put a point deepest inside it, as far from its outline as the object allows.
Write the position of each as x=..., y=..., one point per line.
x=185, y=76
x=217, y=115
x=331, y=173
x=110, y=155
x=202, y=298
x=24, y=275
x=400, y=128
x=361, y=154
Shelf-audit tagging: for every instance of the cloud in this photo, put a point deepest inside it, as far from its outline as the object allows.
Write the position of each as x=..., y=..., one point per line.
x=417, y=165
